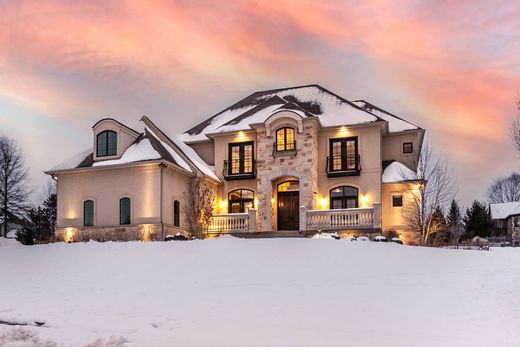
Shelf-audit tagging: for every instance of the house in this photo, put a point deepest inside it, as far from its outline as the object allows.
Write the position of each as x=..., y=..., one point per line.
x=299, y=159
x=506, y=220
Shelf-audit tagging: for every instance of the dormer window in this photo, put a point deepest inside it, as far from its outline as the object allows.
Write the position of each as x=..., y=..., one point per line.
x=285, y=140
x=106, y=144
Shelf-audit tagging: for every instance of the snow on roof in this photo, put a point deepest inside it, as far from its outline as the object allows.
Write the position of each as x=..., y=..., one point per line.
x=394, y=123
x=397, y=172
x=308, y=101
x=178, y=159
x=196, y=159
x=72, y=162
x=139, y=151
x=311, y=101
x=504, y=209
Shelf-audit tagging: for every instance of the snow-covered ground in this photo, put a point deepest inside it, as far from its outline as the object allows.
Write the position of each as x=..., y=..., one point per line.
x=271, y=292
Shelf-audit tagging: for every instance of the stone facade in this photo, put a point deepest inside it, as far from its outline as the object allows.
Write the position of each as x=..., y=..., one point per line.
x=302, y=165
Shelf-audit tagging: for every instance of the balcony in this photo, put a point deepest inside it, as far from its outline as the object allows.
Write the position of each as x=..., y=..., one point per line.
x=239, y=169
x=343, y=165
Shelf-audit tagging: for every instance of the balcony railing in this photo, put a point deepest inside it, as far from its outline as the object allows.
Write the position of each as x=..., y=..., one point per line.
x=238, y=169
x=233, y=223
x=343, y=165
x=341, y=219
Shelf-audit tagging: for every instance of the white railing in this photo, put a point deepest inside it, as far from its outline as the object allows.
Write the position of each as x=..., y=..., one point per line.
x=349, y=218
x=233, y=222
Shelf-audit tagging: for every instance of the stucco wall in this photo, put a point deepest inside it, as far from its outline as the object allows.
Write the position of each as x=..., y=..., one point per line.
x=105, y=187
x=369, y=180
x=393, y=147
x=206, y=150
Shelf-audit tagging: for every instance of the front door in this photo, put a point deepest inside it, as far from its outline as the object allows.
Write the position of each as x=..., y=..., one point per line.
x=288, y=206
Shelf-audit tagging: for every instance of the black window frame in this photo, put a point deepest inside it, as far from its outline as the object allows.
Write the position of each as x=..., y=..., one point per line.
x=241, y=158
x=85, y=222
x=397, y=198
x=121, y=221
x=242, y=201
x=105, y=135
x=344, y=156
x=405, y=149
x=285, y=149
x=176, y=213
x=345, y=198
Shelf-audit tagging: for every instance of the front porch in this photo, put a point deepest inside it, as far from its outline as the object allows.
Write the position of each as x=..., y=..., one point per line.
x=366, y=219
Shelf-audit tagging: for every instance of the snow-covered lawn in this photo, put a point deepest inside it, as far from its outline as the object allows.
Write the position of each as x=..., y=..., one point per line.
x=271, y=292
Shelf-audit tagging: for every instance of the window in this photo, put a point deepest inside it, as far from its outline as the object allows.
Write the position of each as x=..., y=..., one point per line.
x=240, y=158
x=344, y=197
x=176, y=213
x=240, y=200
x=285, y=139
x=88, y=213
x=124, y=211
x=344, y=154
x=408, y=147
x=106, y=143
x=397, y=200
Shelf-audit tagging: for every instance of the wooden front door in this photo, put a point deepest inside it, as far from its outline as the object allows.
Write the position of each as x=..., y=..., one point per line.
x=288, y=211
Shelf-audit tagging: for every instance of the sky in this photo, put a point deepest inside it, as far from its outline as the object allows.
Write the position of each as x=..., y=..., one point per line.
x=452, y=67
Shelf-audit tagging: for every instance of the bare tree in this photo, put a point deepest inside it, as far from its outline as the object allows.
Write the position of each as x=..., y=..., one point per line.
x=13, y=181
x=504, y=189
x=431, y=188
x=515, y=127
x=200, y=202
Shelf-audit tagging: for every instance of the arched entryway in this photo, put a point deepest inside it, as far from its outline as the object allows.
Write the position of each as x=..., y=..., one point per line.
x=288, y=202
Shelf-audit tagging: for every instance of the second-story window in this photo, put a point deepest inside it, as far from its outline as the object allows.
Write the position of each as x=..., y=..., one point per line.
x=285, y=139
x=343, y=154
x=408, y=147
x=241, y=158
x=106, y=143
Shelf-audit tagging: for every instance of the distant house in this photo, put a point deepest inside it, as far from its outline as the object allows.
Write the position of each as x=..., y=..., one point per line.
x=506, y=220
x=294, y=160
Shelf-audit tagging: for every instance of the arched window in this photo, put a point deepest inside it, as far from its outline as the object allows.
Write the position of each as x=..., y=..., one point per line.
x=88, y=213
x=240, y=200
x=344, y=197
x=106, y=144
x=285, y=139
x=125, y=211
x=176, y=213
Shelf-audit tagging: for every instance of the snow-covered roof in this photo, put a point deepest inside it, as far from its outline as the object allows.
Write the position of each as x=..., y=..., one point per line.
x=397, y=172
x=73, y=162
x=395, y=123
x=504, y=209
x=307, y=101
x=139, y=151
x=148, y=146
x=196, y=159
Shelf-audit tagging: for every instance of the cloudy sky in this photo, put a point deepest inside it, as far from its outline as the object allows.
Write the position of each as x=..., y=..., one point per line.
x=453, y=67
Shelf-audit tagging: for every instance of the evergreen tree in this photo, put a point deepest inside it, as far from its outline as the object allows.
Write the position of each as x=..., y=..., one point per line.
x=454, y=221
x=441, y=236
x=42, y=220
x=478, y=221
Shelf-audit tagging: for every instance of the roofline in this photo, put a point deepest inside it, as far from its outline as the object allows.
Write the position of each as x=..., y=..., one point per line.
x=389, y=113
x=116, y=121
x=119, y=166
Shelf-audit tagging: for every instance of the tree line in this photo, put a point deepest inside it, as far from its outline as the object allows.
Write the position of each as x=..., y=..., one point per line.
x=437, y=216
x=37, y=221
